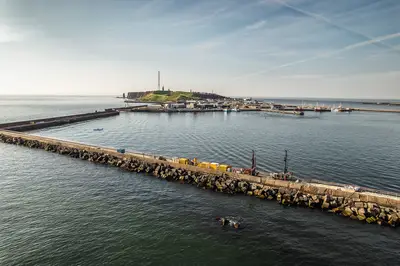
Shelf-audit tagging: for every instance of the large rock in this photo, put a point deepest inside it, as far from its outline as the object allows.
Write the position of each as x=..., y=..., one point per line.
x=325, y=205
x=347, y=212
x=361, y=217
x=371, y=220
x=358, y=204
x=353, y=217
x=371, y=205
x=393, y=217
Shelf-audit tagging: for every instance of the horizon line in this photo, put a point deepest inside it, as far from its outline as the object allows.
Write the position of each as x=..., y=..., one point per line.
x=254, y=97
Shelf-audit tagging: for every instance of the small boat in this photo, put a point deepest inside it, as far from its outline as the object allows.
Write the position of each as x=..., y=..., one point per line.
x=98, y=129
x=235, y=110
x=322, y=109
x=226, y=110
x=340, y=109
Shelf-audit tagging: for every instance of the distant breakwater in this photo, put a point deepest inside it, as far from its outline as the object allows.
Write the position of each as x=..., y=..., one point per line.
x=28, y=125
x=290, y=194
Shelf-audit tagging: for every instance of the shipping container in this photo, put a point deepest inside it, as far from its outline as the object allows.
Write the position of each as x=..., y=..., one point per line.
x=204, y=165
x=183, y=161
x=225, y=168
x=214, y=166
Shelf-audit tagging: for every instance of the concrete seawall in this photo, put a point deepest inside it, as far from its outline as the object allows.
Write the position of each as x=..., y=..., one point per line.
x=377, y=110
x=363, y=206
x=27, y=125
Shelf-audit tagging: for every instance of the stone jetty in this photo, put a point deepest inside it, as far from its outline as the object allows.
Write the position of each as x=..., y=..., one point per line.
x=365, y=207
x=28, y=125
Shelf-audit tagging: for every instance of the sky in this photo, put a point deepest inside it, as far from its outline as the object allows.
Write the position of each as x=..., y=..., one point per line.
x=259, y=48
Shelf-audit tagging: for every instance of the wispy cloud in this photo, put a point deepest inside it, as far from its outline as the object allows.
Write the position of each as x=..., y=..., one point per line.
x=332, y=53
x=208, y=45
x=256, y=25
x=308, y=76
x=9, y=34
x=200, y=19
x=332, y=23
x=211, y=43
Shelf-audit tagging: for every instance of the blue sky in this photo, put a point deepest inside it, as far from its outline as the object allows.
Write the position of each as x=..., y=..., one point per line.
x=270, y=48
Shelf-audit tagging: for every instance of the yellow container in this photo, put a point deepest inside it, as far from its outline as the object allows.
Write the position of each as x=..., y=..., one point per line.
x=183, y=161
x=225, y=167
x=204, y=165
x=214, y=166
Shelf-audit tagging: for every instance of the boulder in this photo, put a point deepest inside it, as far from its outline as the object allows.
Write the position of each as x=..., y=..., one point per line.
x=325, y=205
x=361, y=217
x=393, y=217
x=257, y=192
x=371, y=220
x=282, y=190
x=358, y=204
x=373, y=212
x=347, y=212
x=353, y=217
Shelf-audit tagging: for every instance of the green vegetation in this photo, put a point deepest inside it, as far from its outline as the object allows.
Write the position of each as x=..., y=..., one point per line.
x=166, y=96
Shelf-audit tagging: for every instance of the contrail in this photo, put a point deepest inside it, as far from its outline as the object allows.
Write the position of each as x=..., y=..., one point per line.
x=331, y=23
x=342, y=50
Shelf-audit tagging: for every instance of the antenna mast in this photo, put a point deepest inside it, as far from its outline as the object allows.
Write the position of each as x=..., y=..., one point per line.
x=285, y=160
x=158, y=80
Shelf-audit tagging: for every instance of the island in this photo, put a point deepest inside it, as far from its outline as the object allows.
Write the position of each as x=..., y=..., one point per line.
x=163, y=96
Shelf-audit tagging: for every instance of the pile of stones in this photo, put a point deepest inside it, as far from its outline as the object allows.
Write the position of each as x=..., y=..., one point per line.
x=221, y=182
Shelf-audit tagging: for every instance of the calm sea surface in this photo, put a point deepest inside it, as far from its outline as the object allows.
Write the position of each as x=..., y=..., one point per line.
x=56, y=210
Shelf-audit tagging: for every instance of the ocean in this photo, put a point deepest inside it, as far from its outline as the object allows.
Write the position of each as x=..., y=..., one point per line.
x=57, y=210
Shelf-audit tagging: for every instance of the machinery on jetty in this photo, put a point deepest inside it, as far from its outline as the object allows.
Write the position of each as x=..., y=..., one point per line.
x=285, y=175
x=207, y=165
x=220, y=167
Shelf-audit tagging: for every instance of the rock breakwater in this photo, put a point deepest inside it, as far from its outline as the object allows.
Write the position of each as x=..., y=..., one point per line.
x=368, y=212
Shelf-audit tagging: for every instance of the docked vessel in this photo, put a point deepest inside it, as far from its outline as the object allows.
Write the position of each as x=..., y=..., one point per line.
x=321, y=109
x=341, y=109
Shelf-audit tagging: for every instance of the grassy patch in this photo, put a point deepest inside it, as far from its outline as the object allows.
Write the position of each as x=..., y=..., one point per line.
x=174, y=96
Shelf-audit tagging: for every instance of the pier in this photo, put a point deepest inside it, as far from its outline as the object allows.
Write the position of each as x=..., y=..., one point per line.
x=285, y=112
x=127, y=108
x=376, y=110
x=27, y=125
x=364, y=205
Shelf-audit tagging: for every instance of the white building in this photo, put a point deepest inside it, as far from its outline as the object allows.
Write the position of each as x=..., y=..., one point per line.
x=174, y=105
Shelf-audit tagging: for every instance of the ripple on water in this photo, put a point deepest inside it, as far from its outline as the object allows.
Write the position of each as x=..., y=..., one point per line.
x=57, y=210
